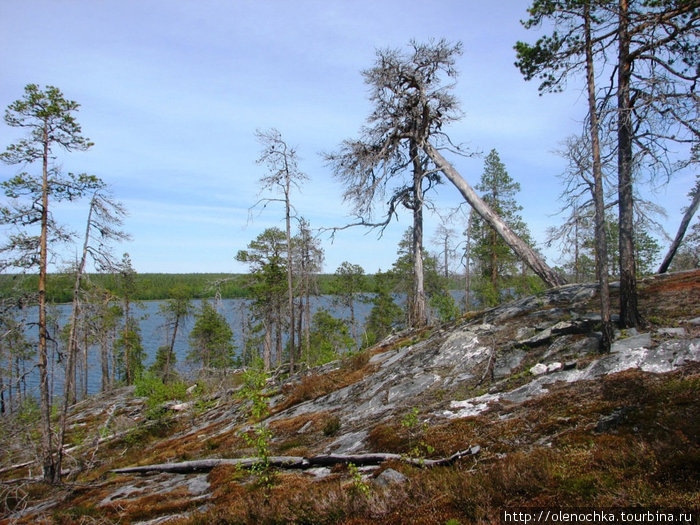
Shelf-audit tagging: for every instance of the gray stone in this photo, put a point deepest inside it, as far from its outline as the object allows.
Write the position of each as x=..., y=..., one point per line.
x=198, y=485
x=508, y=361
x=553, y=367
x=471, y=407
x=673, y=332
x=524, y=332
x=411, y=387
x=633, y=342
x=389, y=477
x=572, y=346
x=318, y=472
x=461, y=348
x=305, y=427
x=538, y=369
x=614, y=420
x=347, y=443
x=569, y=365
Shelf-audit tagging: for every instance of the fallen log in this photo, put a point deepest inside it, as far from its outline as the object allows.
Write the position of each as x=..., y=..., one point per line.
x=294, y=462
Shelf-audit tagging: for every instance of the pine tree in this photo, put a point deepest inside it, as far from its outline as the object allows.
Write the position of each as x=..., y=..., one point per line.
x=385, y=314
x=210, y=338
x=48, y=118
x=495, y=260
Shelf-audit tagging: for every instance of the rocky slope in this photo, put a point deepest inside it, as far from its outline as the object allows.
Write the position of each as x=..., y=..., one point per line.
x=556, y=423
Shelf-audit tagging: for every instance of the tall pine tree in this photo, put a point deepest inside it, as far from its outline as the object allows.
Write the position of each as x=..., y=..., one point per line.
x=495, y=261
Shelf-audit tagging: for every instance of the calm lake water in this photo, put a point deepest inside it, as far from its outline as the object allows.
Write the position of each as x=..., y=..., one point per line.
x=153, y=333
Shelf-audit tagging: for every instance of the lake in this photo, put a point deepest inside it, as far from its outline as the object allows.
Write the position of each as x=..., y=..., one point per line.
x=153, y=334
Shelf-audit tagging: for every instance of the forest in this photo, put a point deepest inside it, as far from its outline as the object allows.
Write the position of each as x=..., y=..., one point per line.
x=398, y=160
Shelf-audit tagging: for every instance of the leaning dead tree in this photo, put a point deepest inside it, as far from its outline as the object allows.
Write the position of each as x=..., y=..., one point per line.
x=520, y=247
x=687, y=217
x=412, y=102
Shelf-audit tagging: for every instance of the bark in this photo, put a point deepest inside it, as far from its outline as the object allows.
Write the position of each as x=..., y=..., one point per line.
x=127, y=356
x=296, y=462
x=447, y=272
x=687, y=217
x=267, y=346
x=104, y=363
x=467, y=263
x=307, y=305
x=49, y=470
x=290, y=284
x=525, y=252
x=629, y=311
x=599, y=204
x=418, y=316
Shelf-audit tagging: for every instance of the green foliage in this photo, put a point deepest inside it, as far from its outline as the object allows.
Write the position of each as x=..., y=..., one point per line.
x=48, y=116
x=418, y=448
x=163, y=364
x=445, y=307
x=28, y=413
x=253, y=392
x=496, y=263
x=385, y=314
x=329, y=338
x=210, y=338
x=174, y=311
x=148, y=286
x=359, y=486
x=402, y=271
x=158, y=286
x=331, y=426
x=157, y=392
x=268, y=282
x=130, y=352
x=348, y=284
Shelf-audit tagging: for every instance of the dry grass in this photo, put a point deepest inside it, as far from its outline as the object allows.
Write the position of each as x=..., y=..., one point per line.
x=314, y=386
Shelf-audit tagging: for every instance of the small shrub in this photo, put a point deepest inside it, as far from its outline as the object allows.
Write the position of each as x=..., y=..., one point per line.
x=359, y=486
x=254, y=381
x=157, y=393
x=331, y=426
x=418, y=448
x=356, y=360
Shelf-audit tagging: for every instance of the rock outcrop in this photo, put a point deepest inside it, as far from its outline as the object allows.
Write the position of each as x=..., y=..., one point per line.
x=498, y=361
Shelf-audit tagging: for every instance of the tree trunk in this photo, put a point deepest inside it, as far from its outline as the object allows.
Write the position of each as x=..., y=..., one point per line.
x=577, y=269
x=297, y=462
x=419, y=314
x=494, y=265
x=600, y=237
x=113, y=372
x=171, y=347
x=278, y=335
x=525, y=252
x=49, y=467
x=687, y=217
x=127, y=354
x=629, y=312
x=467, y=264
x=307, y=323
x=290, y=284
x=267, y=348
x=104, y=362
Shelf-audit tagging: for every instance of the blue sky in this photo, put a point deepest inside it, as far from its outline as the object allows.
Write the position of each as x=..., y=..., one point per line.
x=171, y=92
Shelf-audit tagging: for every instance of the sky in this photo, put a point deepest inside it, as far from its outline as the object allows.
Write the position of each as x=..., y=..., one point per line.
x=172, y=93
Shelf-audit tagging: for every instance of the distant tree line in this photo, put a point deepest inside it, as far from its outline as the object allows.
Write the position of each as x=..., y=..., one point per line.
x=159, y=286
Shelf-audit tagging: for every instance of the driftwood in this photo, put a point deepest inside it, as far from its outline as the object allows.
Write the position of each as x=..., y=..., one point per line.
x=295, y=462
